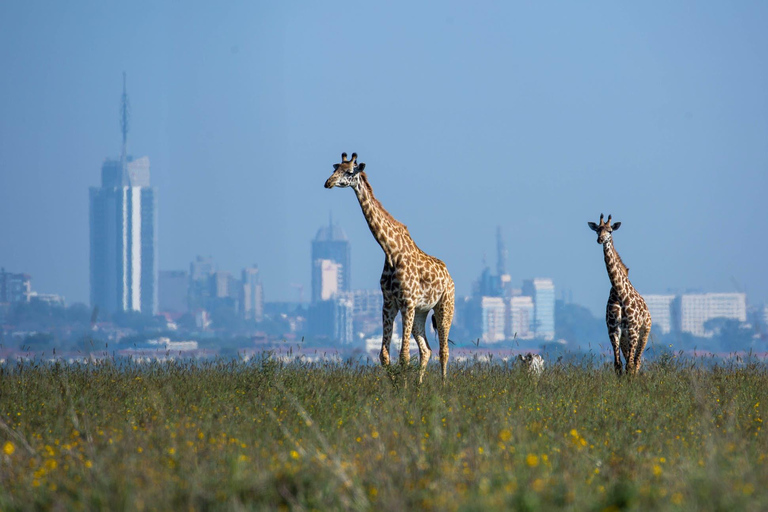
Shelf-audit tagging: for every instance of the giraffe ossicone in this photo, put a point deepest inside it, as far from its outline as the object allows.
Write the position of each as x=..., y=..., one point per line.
x=413, y=283
x=626, y=314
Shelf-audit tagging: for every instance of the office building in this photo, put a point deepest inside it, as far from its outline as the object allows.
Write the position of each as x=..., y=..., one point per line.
x=331, y=244
x=542, y=291
x=327, y=276
x=343, y=307
x=521, y=318
x=252, y=300
x=14, y=287
x=697, y=309
x=123, y=235
x=486, y=318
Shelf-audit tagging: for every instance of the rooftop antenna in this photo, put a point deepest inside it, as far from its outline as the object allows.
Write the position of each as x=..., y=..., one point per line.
x=124, y=114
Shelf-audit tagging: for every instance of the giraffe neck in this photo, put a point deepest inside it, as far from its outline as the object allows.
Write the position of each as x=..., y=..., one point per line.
x=617, y=271
x=392, y=235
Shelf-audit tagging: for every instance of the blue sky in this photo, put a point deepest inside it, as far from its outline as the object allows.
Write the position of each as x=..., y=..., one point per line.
x=536, y=116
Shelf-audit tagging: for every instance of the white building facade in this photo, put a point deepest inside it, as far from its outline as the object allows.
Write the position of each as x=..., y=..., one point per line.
x=696, y=310
x=123, y=239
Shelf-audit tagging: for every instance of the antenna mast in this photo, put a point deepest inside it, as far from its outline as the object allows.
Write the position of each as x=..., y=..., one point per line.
x=124, y=114
x=501, y=253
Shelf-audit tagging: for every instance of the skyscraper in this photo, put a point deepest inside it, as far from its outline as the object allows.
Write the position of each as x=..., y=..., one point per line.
x=123, y=233
x=330, y=243
x=542, y=290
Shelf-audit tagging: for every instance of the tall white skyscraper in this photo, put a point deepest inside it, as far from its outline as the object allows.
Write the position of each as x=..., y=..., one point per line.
x=123, y=234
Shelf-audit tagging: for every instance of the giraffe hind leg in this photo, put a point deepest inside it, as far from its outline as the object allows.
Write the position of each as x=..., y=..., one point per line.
x=419, y=332
x=642, y=341
x=444, y=318
x=633, y=355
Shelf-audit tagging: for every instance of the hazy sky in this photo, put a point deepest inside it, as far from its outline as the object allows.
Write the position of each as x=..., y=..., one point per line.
x=536, y=116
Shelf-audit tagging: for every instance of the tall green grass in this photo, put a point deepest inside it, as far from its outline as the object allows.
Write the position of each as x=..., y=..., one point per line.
x=268, y=435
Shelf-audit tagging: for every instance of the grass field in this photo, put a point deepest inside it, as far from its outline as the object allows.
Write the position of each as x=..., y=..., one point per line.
x=267, y=435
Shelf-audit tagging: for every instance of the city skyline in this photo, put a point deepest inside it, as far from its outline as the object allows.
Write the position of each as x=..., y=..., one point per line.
x=535, y=118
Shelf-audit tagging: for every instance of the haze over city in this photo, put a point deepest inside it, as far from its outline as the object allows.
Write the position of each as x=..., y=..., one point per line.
x=535, y=117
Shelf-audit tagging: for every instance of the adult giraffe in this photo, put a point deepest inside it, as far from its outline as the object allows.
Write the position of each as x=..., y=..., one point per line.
x=412, y=282
x=626, y=315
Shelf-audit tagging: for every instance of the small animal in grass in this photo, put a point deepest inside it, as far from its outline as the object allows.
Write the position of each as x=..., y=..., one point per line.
x=533, y=363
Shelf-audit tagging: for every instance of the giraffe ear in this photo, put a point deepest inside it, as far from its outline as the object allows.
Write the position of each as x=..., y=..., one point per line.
x=359, y=167
x=336, y=166
x=592, y=226
x=616, y=226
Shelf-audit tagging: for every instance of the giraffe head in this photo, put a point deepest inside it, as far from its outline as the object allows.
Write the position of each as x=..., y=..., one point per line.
x=604, y=229
x=346, y=173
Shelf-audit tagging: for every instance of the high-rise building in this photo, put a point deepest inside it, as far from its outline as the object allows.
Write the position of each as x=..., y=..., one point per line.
x=696, y=310
x=252, y=300
x=542, y=291
x=14, y=287
x=343, y=307
x=521, y=317
x=660, y=308
x=368, y=303
x=330, y=243
x=123, y=234
x=486, y=317
x=173, y=291
x=367, y=306
x=201, y=272
x=225, y=285
x=201, y=268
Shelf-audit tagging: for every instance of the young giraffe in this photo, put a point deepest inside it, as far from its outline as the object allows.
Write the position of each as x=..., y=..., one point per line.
x=412, y=281
x=627, y=316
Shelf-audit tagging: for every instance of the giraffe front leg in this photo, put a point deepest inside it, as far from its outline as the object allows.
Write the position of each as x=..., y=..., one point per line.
x=405, y=349
x=613, y=322
x=615, y=337
x=388, y=314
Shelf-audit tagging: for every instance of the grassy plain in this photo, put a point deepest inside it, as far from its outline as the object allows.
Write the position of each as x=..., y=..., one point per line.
x=267, y=435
